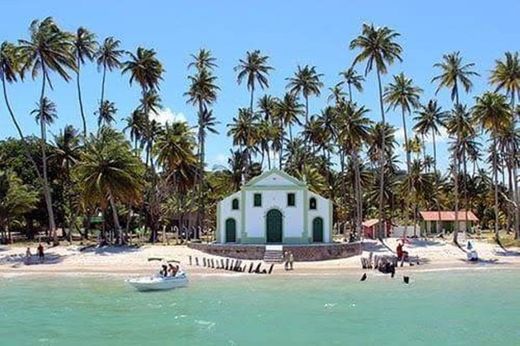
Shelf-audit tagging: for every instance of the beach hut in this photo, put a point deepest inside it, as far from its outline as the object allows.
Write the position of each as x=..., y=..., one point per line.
x=371, y=228
x=437, y=222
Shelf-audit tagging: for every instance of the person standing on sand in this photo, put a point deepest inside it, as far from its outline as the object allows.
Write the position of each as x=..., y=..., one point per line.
x=286, y=260
x=41, y=255
x=28, y=256
x=291, y=260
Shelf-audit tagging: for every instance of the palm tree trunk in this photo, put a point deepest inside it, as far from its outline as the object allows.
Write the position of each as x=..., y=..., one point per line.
x=517, y=199
x=359, y=200
x=117, y=225
x=78, y=85
x=456, y=176
x=201, y=211
x=436, y=181
x=103, y=87
x=495, y=182
x=465, y=184
x=510, y=211
x=382, y=159
x=282, y=134
x=456, y=185
x=268, y=159
x=46, y=188
x=19, y=130
x=252, y=99
x=406, y=204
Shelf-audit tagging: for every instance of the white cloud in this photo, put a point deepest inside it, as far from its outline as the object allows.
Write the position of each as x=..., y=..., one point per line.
x=218, y=161
x=442, y=137
x=166, y=115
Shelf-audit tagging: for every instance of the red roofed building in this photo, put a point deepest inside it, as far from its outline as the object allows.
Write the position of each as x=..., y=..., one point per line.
x=371, y=229
x=435, y=221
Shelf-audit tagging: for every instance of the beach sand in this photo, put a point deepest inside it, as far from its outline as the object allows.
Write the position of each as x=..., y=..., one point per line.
x=434, y=255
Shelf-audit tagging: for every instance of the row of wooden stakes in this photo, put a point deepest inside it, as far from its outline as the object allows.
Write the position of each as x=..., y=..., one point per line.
x=234, y=265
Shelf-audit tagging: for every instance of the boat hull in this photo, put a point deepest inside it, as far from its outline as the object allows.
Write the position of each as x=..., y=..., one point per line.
x=158, y=283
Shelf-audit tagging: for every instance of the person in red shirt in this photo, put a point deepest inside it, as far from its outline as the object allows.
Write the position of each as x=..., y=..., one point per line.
x=401, y=255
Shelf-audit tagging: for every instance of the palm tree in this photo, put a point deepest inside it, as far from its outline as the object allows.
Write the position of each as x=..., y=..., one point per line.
x=45, y=115
x=16, y=200
x=353, y=79
x=354, y=127
x=145, y=69
x=106, y=114
x=242, y=129
x=203, y=60
x=378, y=47
x=110, y=173
x=459, y=124
x=454, y=73
x=307, y=82
x=10, y=65
x=429, y=120
x=65, y=155
x=47, y=50
x=493, y=114
x=136, y=124
x=288, y=111
x=202, y=93
x=175, y=147
x=85, y=47
x=402, y=93
x=108, y=58
x=255, y=69
x=337, y=94
x=506, y=76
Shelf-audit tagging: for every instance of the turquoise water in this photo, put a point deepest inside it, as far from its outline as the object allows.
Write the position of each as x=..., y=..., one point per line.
x=471, y=308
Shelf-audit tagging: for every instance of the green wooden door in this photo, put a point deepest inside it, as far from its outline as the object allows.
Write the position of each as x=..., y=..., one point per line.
x=273, y=225
x=317, y=230
x=231, y=231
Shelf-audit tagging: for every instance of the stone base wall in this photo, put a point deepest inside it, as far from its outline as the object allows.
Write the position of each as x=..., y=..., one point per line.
x=302, y=253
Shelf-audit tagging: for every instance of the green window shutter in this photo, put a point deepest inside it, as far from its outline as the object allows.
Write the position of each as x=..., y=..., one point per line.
x=234, y=204
x=257, y=202
x=291, y=200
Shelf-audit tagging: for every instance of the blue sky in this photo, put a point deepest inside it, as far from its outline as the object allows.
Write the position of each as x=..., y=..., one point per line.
x=290, y=32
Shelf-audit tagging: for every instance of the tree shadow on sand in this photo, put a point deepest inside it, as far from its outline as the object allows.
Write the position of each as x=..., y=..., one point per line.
x=374, y=247
x=110, y=250
x=17, y=260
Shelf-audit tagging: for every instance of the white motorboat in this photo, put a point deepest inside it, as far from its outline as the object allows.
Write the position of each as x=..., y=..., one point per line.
x=159, y=283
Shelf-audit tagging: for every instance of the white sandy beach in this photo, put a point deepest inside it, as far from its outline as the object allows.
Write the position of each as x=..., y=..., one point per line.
x=433, y=255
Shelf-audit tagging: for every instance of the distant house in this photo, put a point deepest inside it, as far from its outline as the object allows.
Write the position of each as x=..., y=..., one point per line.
x=371, y=229
x=431, y=223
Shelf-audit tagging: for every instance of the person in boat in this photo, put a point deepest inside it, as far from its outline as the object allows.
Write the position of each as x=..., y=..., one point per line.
x=164, y=271
x=173, y=270
x=401, y=254
x=41, y=254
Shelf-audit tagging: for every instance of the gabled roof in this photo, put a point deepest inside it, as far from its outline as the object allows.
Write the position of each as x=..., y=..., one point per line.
x=290, y=179
x=447, y=215
x=370, y=222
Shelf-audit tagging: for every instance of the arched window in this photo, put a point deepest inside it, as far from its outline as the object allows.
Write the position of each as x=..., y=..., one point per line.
x=312, y=203
x=234, y=204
